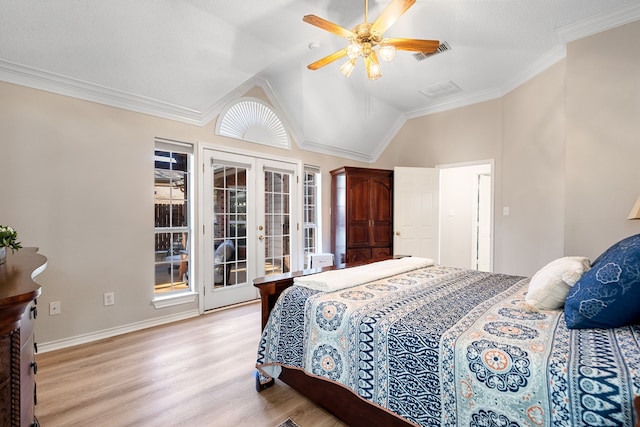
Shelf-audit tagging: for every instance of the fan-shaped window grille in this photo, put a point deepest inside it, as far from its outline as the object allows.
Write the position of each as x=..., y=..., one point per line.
x=252, y=120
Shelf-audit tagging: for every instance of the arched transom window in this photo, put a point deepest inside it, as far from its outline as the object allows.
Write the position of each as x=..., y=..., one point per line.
x=252, y=120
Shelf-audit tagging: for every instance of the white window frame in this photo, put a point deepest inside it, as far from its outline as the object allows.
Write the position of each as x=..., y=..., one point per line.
x=171, y=298
x=315, y=170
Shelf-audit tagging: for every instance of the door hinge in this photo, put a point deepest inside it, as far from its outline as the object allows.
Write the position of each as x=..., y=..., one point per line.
x=202, y=228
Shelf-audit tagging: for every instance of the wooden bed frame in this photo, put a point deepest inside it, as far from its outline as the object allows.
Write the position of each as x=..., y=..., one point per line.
x=338, y=400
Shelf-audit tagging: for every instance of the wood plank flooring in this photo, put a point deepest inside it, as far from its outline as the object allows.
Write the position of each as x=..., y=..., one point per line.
x=197, y=372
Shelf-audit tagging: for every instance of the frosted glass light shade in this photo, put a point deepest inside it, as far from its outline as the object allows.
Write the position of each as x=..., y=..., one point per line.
x=387, y=52
x=354, y=50
x=348, y=67
x=373, y=66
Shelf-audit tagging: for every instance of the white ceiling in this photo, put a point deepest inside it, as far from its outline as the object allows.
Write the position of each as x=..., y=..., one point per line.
x=185, y=60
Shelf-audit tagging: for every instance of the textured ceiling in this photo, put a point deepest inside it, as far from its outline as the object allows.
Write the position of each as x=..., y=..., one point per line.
x=186, y=59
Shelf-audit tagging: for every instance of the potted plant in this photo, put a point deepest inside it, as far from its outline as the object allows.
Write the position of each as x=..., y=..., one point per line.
x=8, y=239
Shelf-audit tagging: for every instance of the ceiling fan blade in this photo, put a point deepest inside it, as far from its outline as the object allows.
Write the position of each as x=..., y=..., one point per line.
x=328, y=59
x=328, y=26
x=391, y=13
x=414, y=45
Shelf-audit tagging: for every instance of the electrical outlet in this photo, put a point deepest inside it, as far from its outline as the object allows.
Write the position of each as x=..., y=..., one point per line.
x=109, y=298
x=54, y=308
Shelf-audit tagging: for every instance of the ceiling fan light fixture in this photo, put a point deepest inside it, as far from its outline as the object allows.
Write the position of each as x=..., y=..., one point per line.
x=354, y=50
x=387, y=52
x=374, y=72
x=348, y=67
x=367, y=40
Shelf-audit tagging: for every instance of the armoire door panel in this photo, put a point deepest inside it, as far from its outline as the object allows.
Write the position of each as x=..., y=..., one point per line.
x=380, y=253
x=355, y=255
x=381, y=202
x=358, y=234
x=359, y=199
x=382, y=235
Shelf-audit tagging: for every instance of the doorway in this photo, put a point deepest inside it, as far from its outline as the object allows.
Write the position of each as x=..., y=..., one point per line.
x=250, y=224
x=466, y=215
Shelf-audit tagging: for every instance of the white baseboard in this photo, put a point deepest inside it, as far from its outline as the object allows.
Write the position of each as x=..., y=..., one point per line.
x=112, y=332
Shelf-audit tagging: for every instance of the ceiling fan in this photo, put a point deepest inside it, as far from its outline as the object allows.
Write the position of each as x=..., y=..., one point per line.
x=366, y=39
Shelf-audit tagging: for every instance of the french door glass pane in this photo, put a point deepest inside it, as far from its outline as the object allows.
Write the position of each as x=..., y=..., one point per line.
x=229, y=225
x=277, y=222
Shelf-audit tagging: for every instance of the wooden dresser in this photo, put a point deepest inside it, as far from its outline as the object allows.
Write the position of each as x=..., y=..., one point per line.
x=361, y=214
x=18, y=294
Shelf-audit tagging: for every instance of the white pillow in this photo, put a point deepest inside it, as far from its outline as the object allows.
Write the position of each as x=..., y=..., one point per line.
x=548, y=288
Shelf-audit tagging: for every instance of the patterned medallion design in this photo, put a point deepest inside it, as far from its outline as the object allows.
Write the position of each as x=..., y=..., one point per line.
x=329, y=314
x=511, y=330
x=402, y=281
x=327, y=362
x=356, y=295
x=382, y=287
x=500, y=366
x=520, y=314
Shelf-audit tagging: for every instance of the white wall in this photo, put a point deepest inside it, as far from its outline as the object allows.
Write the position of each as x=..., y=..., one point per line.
x=603, y=139
x=78, y=183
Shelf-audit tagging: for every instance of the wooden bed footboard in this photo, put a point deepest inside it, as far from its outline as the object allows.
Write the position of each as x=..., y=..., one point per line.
x=340, y=401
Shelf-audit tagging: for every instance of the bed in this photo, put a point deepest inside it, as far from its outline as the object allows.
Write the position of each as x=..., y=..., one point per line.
x=435, y=345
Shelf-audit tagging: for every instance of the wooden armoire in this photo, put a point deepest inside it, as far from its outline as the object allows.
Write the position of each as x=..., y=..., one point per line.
x=361, y=214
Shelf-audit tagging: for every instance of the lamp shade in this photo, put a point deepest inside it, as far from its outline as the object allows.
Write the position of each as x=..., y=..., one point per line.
x=347, y=67
x=635, y=211
x=372, y=66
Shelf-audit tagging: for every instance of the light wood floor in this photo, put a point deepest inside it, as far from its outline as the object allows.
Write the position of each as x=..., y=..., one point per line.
x=198, y=372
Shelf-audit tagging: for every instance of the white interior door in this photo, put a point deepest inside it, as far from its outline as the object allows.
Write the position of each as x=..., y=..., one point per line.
x=415, y=212
x=482, y=240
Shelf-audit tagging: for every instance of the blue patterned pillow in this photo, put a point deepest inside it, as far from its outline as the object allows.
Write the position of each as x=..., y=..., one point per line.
x=608, y=295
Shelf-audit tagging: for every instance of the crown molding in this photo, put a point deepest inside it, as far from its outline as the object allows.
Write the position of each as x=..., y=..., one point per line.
x=50, y=82
x=456, y=102
x=598, y=23
x=336, y=151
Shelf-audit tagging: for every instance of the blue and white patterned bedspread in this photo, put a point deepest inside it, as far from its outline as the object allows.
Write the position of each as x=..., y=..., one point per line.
x=452, y=347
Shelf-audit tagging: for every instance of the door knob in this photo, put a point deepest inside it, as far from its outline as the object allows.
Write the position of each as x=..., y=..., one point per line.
x=260, y=237
x=397, y=233
x=260, y=227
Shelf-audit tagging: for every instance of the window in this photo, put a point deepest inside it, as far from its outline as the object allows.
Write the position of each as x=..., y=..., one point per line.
x=250, y=119
x=311, y=207
x=172, y=189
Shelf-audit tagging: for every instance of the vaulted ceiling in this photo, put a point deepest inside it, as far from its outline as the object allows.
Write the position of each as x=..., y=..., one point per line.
x=187, y=59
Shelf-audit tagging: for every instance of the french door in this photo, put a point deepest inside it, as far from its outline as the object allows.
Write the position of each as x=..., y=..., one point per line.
x=250, y=224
